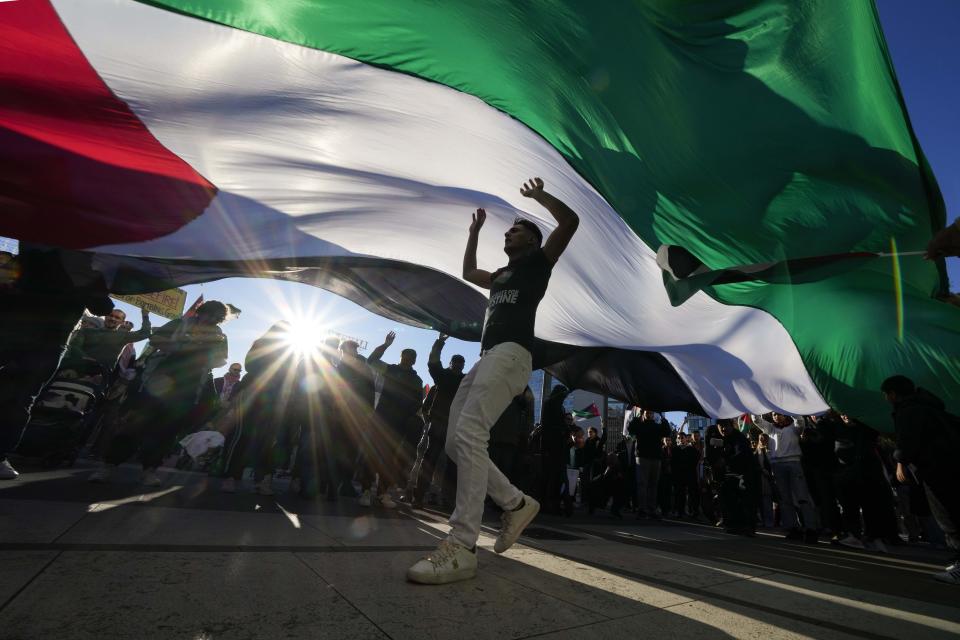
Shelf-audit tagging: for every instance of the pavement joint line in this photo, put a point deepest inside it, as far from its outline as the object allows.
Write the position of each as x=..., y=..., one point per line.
x=705, y=594
x=854, y=556
x=771, y=546
x=30, y=581
x=653, y=609
x=553, y=596
x=72, y=525
x=205, y=548
x=835, y=565
x=339, y=593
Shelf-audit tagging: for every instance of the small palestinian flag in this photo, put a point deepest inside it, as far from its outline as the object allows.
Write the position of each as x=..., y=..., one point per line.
x=587, y=412
x=192, y=311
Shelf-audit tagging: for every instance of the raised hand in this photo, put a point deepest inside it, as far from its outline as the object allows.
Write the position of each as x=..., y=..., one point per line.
x=478, y=219
x=390, y=338
x=443, y=337
x=532, y=188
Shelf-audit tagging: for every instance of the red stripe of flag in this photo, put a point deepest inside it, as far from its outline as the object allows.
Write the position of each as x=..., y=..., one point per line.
x=77, y=167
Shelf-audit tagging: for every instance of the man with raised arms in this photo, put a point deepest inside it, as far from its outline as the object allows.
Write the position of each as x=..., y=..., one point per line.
x=500, y=375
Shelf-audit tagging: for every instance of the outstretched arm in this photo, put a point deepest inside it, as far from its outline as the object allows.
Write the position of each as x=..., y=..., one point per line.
x=478, y=277
x=567, y=220
x=437, y=348
x=374, y=360
x=433, y=362
x=144, y=331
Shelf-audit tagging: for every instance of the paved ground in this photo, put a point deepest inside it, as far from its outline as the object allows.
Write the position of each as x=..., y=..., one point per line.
x=185, y=561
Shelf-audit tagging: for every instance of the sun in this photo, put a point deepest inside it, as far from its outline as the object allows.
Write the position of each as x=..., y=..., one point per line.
x=305, y=336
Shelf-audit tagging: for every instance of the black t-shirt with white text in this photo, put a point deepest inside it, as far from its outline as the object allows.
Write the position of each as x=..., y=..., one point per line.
x=515, y=293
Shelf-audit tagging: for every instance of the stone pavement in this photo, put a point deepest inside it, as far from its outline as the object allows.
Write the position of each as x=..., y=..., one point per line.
x=185, y=561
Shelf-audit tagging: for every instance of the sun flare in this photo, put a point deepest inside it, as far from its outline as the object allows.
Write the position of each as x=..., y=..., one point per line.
x=305, y=337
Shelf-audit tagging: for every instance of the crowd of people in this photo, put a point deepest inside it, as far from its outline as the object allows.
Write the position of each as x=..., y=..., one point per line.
x=341, y=425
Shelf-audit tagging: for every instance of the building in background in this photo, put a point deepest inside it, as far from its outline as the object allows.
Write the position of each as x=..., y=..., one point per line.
x=696, y=423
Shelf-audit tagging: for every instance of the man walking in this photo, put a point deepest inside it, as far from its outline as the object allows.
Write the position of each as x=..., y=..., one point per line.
x=500, y=375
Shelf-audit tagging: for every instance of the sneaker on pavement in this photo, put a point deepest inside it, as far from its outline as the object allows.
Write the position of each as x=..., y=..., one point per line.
x=228, y=485
x=387, y=502
x=514, y=522
x=451, y=562
x=366, y=499
x=103, y=474
x=7, y=472
x=950, y=576
x=150, y=478
x=265, y=486
x=851, y=541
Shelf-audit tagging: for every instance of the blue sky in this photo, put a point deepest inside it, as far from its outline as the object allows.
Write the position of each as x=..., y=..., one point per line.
x=922, y=36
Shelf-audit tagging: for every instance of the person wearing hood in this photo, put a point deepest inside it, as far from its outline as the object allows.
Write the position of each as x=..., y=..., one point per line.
x=927, y=440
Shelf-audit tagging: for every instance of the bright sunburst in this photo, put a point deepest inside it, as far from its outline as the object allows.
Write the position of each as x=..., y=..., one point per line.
x=305, y=337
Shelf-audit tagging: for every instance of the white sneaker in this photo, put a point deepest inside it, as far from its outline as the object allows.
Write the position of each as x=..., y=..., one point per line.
x=853, y=542
x=103, y=474
x=228, y=485
x=7, y=472
x=387, y=502
x=950, y=576
x=150, y=478
x=514, y=522
x=451, y=562
x=366, y=499
x=265, y=486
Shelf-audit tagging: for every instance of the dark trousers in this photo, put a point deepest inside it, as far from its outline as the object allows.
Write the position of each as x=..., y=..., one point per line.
x=739, y=501
x=23, y=375
x=150, y=425
x=390, y=453
x=686, y=491
x=334, y=458
x=866, y=489
x=427, y=468
x=505, y=455
x=823, y=490
x=252, y=447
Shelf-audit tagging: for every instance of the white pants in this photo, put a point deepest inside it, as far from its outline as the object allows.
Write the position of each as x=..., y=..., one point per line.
x=485, y=393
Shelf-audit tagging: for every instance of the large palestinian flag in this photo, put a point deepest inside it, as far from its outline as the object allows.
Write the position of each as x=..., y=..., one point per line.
x=346, y=143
